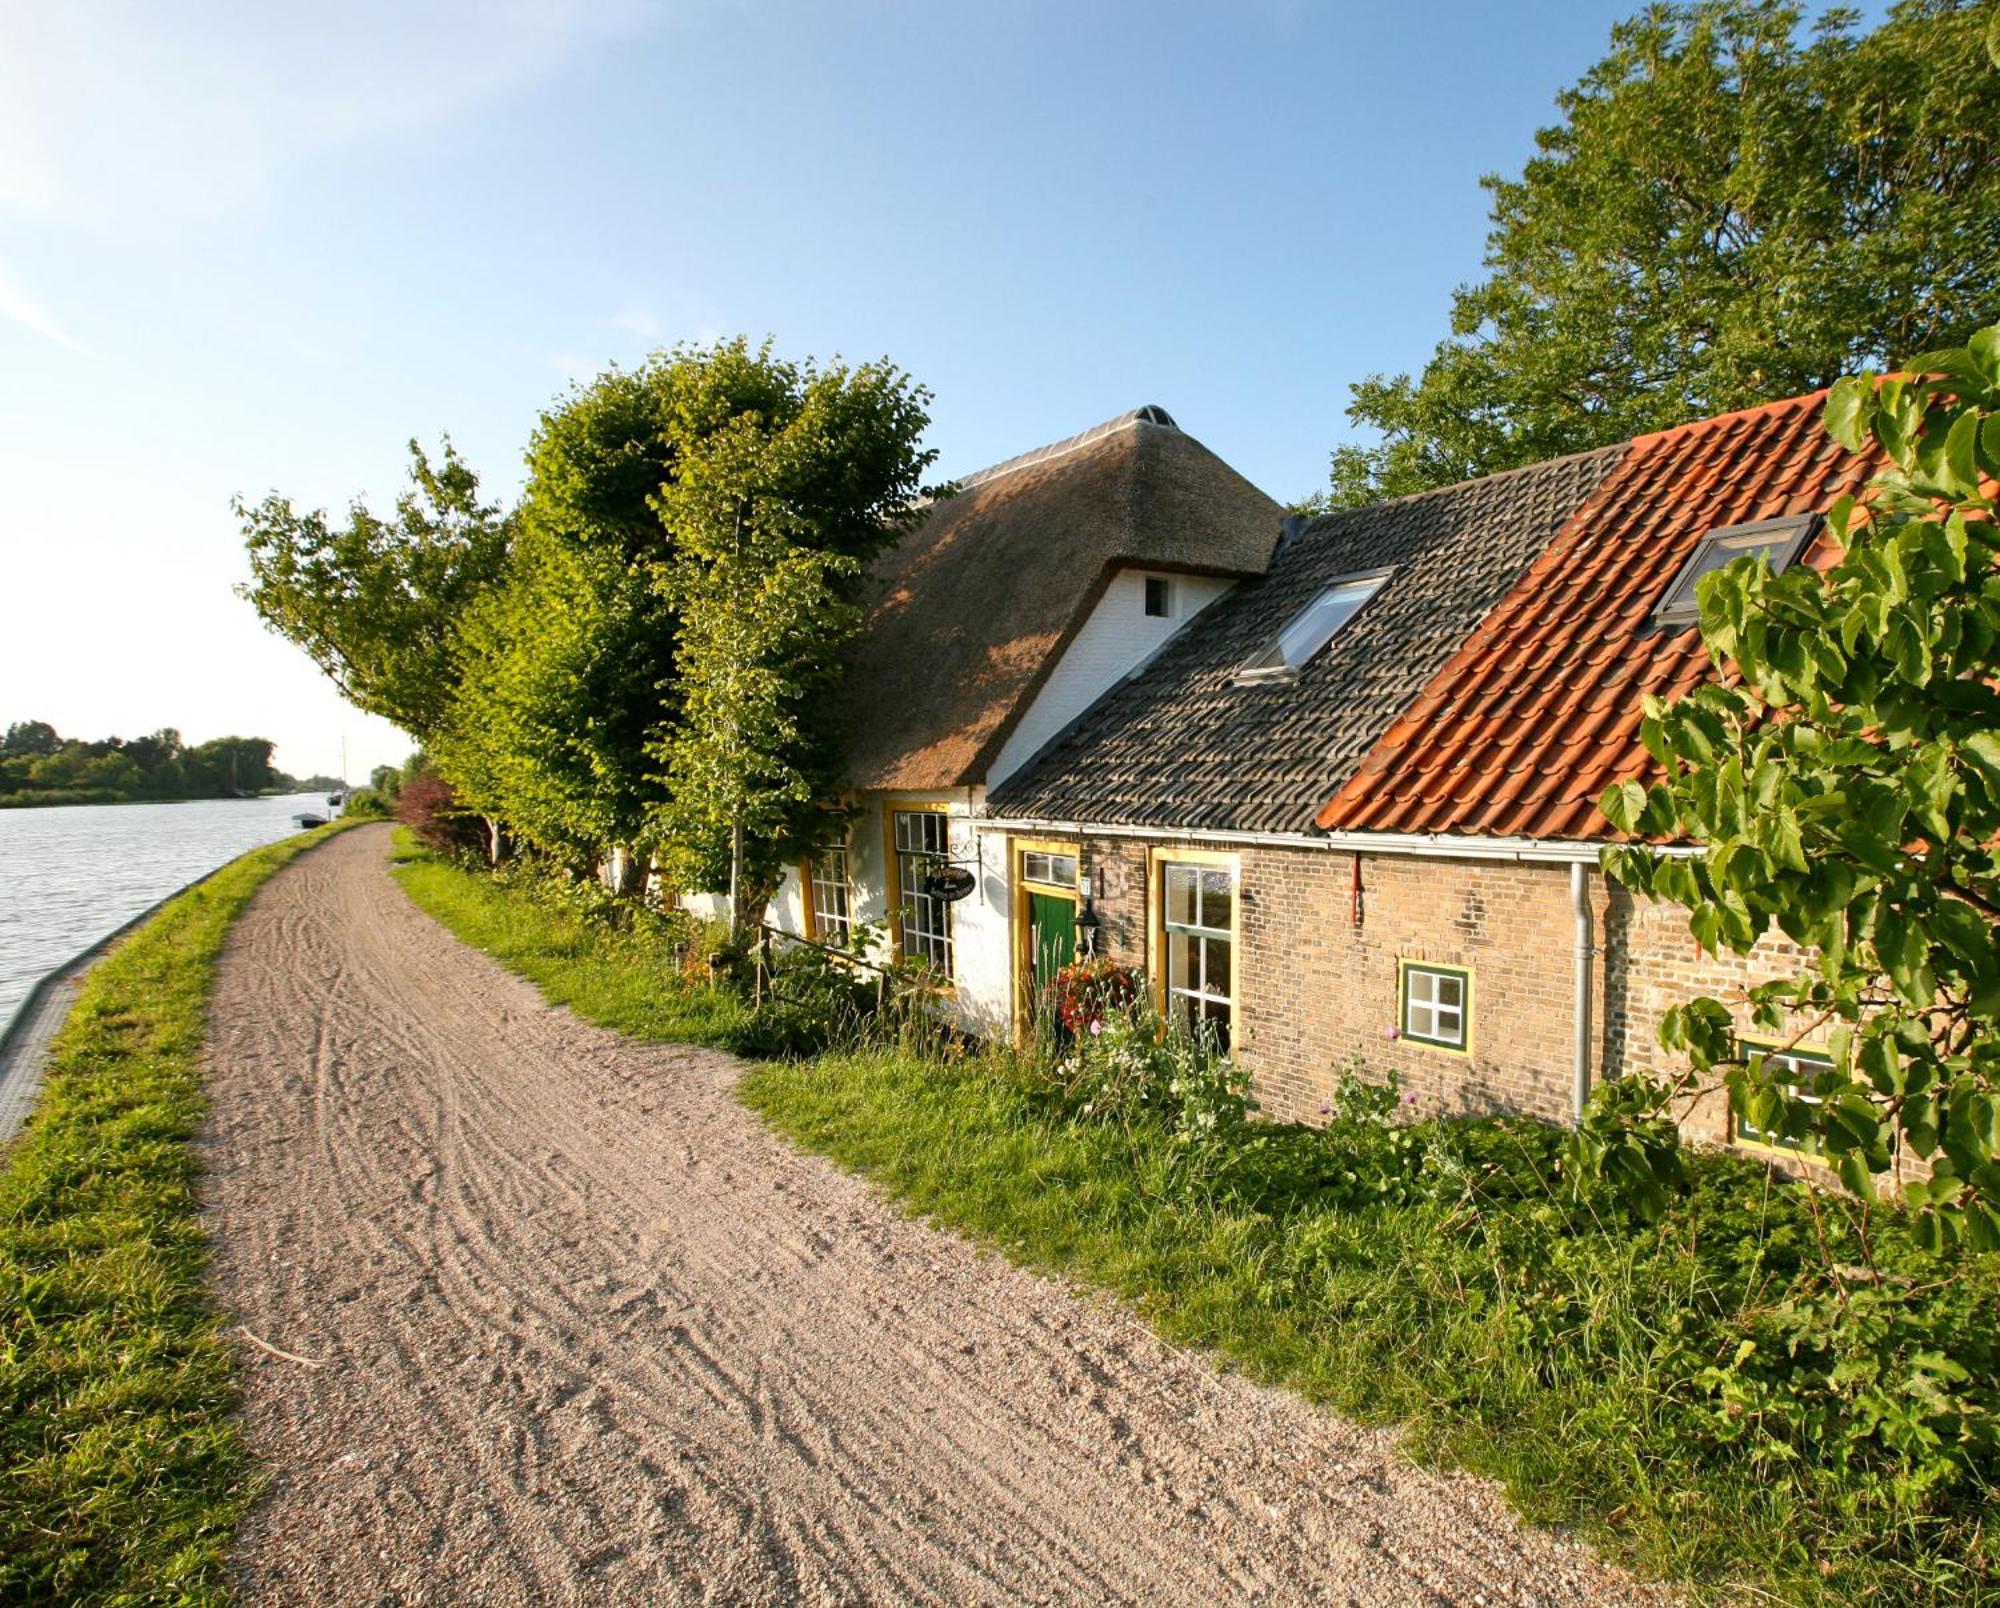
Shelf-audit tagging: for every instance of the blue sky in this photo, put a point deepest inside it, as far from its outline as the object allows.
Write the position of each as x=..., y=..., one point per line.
x=240, y=252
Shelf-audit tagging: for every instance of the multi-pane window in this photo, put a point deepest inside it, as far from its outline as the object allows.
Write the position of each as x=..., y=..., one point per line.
x=1057, y=870
x=1199, y=900
x=1795, y=1071
x=1780, y=541
x=832, y=913
x=1437, y=1005
x=923, y=845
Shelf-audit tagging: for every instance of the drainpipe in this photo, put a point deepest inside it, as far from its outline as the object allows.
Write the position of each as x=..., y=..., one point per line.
x=1579, y=898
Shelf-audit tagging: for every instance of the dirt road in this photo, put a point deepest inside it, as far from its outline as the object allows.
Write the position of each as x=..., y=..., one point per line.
x=587, y=1332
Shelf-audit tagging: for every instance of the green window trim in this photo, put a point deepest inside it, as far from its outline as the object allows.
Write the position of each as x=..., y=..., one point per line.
x=1443, y=996
x=1804, y=1061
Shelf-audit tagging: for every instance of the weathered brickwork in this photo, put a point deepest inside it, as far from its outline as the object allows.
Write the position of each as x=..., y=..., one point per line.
x=1318, y=988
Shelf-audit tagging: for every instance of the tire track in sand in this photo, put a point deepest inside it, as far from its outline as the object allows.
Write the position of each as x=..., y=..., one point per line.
x=591, y=1334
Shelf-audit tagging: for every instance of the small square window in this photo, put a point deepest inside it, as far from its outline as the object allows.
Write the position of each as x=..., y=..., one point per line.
x=1779, y=540
x=1437, y=1005
x=1159, y=597
x=1798, y=1070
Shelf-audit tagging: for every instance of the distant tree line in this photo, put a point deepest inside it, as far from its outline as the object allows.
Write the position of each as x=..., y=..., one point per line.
x=639, y=665
x=39, y=766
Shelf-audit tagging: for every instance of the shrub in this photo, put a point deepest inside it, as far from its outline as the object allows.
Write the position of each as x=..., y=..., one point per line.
x=813, y=1002
x=429, y=807
x=365, y=804
x=1132, y=1065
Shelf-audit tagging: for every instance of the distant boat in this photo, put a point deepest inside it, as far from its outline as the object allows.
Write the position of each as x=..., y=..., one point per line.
x=335, y=800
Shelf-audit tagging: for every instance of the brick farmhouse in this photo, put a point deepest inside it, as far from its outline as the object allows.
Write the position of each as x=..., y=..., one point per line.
x=1330, y=785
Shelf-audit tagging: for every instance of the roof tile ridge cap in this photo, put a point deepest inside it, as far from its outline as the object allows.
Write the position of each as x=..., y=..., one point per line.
x=1737, y=415
x=1562, y=460
x=1062, y=448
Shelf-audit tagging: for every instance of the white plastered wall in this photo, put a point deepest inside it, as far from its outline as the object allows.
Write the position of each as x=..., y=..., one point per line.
x=1118, y=637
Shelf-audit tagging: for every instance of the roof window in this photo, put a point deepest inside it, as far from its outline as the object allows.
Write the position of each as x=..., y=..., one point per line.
x=1779, y=540
x=1313, y=627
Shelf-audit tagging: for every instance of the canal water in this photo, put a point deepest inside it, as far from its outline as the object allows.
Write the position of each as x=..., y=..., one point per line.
x=70, y=875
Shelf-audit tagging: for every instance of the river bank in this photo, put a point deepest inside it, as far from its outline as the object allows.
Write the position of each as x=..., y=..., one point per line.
x=125, y=1471
x=70, y=874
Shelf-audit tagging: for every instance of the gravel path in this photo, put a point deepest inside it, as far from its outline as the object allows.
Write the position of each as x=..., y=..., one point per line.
x=587, y=1332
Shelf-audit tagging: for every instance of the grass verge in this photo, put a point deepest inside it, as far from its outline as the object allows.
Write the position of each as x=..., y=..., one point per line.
x=1688, y=1393
x=124, y=1476
x=602, y=975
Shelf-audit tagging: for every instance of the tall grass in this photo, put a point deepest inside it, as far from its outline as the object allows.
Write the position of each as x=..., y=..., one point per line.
x=123, y=1475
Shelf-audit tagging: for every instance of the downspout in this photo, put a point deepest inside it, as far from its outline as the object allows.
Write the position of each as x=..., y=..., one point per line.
x=1579, y=897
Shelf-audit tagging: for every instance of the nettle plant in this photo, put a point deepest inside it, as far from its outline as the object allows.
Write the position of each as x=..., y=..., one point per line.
x=1843, y=786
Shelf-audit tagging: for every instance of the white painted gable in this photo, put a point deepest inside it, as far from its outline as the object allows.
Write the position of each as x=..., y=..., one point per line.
x=1118, y=637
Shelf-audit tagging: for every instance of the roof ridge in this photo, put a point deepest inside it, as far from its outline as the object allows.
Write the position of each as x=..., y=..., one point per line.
x=1149, y=414
x=1714, y=419
x=1470, y=480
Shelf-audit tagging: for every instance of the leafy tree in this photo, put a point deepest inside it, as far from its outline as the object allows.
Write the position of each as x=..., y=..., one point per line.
x=1847, y=792
x=375, y=602
x=774, y=513
x=568, y=666
x=1726, y=214
x=30, y=737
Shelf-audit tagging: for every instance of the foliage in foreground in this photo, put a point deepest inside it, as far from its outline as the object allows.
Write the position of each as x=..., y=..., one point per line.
x=124, y=1477
x=1846, y=791
x=1729, y=211
x=1759, y=1386
x=1693, y=1392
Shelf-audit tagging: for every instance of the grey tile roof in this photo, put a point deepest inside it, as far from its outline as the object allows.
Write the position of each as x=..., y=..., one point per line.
x=1181, y=744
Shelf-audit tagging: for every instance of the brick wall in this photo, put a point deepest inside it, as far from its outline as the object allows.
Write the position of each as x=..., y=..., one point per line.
x=1318, y=989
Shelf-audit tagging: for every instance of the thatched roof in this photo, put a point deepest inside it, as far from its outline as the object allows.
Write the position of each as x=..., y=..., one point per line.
x=978, y=602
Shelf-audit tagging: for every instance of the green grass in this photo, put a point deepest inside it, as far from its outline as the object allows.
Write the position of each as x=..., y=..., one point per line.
x=124, y=1476
x=600, y=974
x=1509, y=1330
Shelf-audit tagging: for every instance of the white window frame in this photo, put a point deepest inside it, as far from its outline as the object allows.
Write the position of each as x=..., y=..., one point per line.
x=1300, y=640
x=1804, y=1065
x=1189, y=1000
x=1166, y=585
x=924, y=926
x=828, y=880
x=1049, y=867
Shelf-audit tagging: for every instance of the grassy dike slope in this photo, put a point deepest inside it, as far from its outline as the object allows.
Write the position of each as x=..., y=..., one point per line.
x=121, y=1475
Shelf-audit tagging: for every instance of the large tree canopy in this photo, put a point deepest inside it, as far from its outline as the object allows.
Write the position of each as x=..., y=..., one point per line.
x=571, y=719
x=774, y=513
x=1730, y=211
x=375, y=603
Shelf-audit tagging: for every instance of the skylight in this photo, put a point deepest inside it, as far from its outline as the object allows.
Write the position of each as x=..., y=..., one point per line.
x=1779, y=540
x=1313, y=627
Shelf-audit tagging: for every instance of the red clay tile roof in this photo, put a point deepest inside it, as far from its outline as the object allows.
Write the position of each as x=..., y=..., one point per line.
x=1524, y=727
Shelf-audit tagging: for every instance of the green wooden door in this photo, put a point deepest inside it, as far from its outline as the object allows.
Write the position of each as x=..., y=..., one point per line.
x=1051, y=937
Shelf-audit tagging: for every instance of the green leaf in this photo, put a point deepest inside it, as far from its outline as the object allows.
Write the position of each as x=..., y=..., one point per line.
x=1622, y=805
x=1850, y=408
x=1961, y=452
